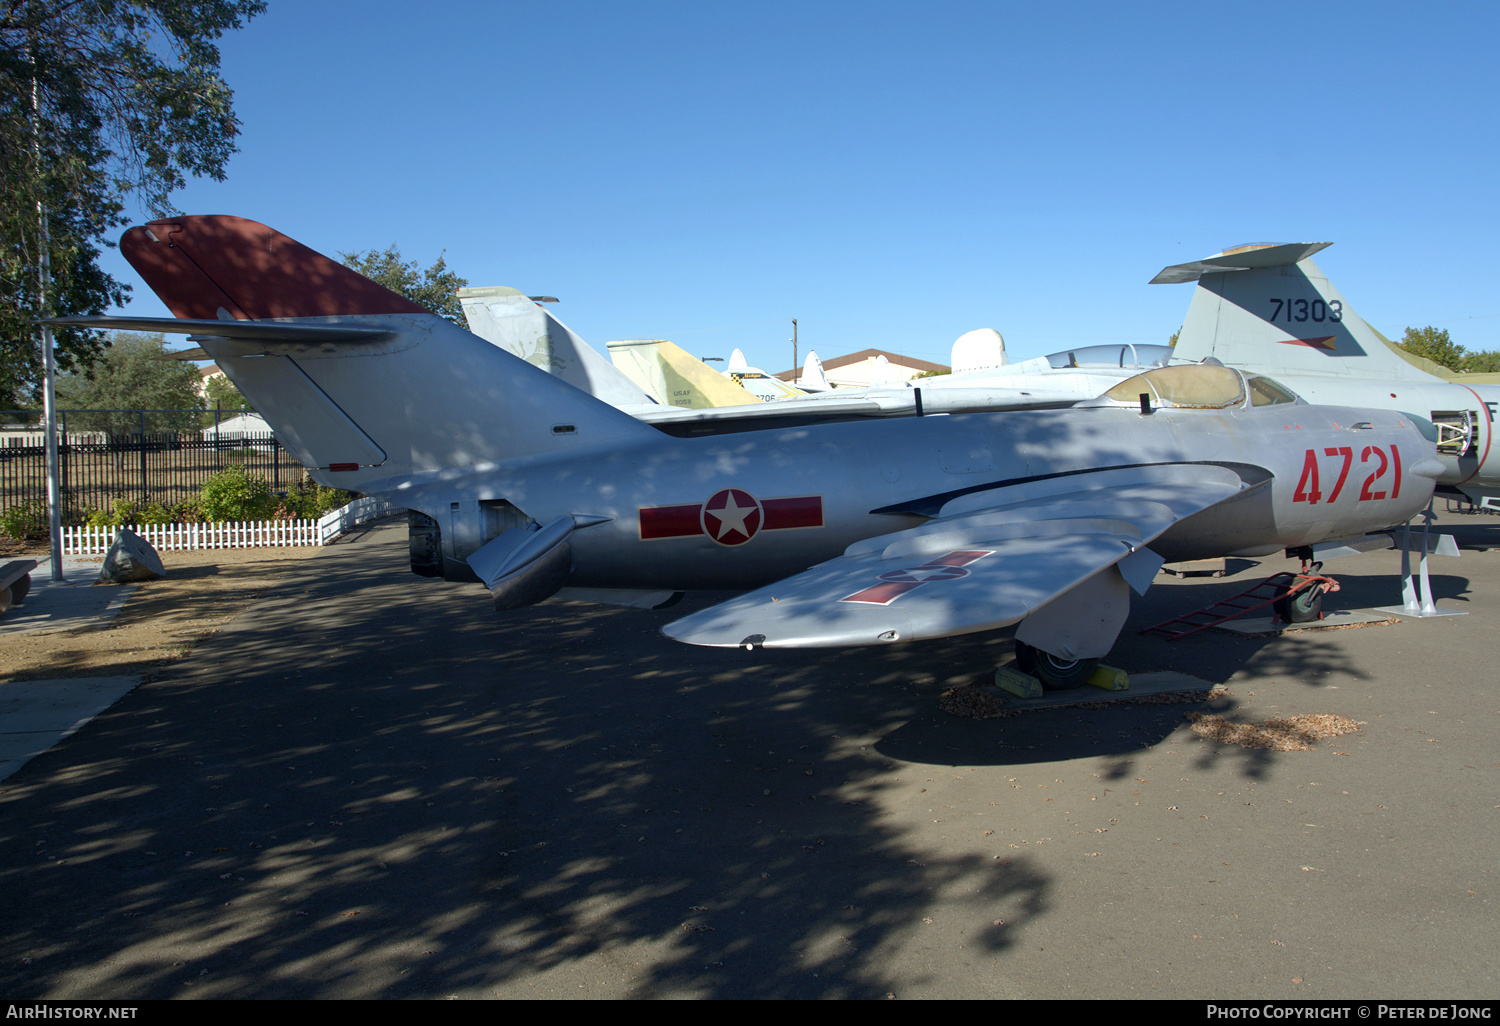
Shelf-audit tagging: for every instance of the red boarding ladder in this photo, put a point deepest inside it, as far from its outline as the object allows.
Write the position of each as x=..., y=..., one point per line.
x=1248, y=601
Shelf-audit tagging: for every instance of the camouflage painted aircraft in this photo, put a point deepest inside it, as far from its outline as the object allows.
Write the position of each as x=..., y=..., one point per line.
x=1270, y=310
x=864, y=532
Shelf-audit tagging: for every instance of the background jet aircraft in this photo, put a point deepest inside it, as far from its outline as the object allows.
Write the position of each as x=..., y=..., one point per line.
x=1270, y=310
x=860, y=532
x=766, y=387
x=1061, y=378
x=638, y=376
x=812, y=378
x=659, y=383
x=676, y=377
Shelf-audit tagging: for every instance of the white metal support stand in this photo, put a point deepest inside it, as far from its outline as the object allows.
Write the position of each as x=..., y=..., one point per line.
x=1416, y=595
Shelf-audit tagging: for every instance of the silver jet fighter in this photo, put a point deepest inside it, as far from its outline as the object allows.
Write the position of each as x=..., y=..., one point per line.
x=848, y=533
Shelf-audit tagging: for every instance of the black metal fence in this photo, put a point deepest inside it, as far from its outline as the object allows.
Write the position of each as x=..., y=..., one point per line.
x=99, y=469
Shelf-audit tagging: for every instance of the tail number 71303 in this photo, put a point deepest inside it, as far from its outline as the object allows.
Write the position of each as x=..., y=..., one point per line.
x=1375, y=487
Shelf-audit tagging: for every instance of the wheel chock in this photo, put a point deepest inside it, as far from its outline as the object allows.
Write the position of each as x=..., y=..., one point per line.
x=1014, y=682
x=1109, y=678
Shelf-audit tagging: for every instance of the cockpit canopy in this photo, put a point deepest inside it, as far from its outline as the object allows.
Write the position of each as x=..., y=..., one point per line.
x=1113, y=357
x=1197, y=386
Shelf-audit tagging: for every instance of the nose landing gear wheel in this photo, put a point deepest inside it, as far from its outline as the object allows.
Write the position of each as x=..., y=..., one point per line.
x=1305, y=606
x=1054, y=672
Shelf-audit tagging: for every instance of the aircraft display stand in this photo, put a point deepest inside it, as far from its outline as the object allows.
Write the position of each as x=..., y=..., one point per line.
x=1023, y=692
x=1416, y=594
x=1024, y=685
x=1198, y=568
x=1264, y=625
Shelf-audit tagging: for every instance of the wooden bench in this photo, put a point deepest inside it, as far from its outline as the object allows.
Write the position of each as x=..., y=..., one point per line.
x=15, y=582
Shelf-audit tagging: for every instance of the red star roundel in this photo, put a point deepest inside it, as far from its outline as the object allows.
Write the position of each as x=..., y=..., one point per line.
x=731, y=516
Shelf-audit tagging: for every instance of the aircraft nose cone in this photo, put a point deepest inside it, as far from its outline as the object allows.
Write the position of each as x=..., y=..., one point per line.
x=1429, y=468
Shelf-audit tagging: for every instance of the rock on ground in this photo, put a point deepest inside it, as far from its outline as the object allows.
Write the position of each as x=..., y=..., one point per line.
x=131, y=558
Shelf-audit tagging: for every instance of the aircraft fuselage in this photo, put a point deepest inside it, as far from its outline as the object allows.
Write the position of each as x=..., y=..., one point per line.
x=1433, y=407
x=743, y=510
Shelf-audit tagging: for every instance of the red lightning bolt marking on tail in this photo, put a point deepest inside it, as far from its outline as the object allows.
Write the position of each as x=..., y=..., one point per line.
x=1325, y=343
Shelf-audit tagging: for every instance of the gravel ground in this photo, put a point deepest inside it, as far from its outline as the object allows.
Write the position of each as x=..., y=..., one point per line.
x=162, y=620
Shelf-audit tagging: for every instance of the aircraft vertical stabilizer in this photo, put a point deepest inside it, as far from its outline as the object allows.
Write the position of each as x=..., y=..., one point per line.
x=1271, y=308
x=524, y=328
x=813, y=378
x=757, y=382
x=674, y=377
x=884, y=374
x=363, y=386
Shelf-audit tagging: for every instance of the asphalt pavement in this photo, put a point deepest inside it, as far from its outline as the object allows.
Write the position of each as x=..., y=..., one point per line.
x=371, y=785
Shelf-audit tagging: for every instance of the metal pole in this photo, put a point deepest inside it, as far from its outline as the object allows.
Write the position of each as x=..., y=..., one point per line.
x=63, y=447
x=145, y=494
x=795, y=365
x=54, y=465
x=49, y=365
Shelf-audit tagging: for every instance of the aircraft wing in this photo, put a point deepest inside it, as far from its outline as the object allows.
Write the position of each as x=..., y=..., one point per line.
x=989, y=559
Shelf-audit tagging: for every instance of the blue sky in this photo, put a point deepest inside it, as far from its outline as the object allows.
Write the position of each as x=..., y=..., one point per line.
x=891, y=175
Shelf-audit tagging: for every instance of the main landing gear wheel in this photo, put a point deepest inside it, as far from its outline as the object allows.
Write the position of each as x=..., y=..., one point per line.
x=1054, y=672
x=1303, y=607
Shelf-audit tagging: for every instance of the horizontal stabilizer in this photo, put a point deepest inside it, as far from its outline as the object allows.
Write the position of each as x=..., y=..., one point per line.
x=266, y=331
x=1242, y=258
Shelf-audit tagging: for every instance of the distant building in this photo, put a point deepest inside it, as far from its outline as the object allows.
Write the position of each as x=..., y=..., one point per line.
x=861, y=369
x=204, y=373
x=239, y=426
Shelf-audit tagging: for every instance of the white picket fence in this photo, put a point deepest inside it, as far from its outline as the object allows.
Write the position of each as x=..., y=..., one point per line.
x=87, y=540
x=346, y=518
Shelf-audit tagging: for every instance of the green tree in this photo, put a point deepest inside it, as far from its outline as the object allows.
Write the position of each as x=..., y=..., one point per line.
x=1172, y=339
x=1433, y=344
x=100, y=101
x=435, y=288
x=131, y=377
x=1485, y=362
x=219, y=393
